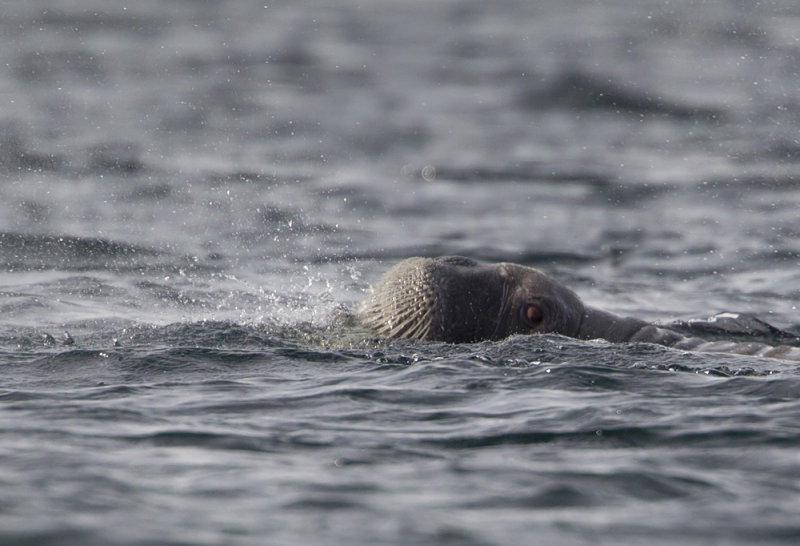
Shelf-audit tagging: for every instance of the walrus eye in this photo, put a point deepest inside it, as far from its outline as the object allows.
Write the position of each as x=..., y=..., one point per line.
x=532, y=315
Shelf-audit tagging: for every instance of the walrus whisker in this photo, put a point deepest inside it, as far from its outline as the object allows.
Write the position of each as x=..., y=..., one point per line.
x=502, y=312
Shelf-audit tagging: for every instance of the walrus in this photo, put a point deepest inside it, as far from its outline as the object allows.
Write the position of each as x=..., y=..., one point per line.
x=459, y=300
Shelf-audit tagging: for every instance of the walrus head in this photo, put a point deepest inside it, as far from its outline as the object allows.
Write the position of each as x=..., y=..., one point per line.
x=456, y=299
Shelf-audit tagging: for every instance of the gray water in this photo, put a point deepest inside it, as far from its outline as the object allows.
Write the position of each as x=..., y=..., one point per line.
x=199, y=193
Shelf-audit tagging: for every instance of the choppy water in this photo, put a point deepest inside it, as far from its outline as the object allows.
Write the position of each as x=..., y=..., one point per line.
x=199, y=191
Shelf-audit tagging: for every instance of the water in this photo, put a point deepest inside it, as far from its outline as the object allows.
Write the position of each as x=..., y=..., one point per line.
x=198, y=192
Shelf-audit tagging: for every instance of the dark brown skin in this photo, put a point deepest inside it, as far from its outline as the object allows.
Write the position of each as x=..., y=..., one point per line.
x=459, y=300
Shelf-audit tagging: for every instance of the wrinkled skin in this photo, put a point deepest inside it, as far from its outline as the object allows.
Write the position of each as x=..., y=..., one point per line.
x=458, y=300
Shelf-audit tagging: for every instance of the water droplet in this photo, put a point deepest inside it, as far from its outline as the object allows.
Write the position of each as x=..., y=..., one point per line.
x=428, y=173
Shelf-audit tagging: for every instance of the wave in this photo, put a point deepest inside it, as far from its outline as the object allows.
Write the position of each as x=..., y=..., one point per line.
x=44, y=252
x=578, y=90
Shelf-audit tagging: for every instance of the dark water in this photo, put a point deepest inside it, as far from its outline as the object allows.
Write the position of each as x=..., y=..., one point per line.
x=199, y=191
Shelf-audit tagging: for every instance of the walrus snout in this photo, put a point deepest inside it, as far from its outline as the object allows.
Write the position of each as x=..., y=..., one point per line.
x=443, y=299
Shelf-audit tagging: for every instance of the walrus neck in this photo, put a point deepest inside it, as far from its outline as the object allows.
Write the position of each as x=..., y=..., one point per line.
x=598, y=324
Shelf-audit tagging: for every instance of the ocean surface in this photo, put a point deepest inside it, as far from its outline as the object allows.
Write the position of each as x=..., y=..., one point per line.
x=195, y=195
